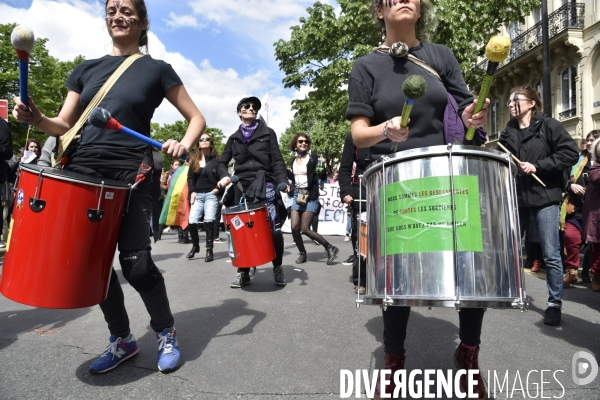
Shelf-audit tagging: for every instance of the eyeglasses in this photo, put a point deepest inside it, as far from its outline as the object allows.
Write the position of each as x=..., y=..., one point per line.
x=508, y=103
x=204, y=139
x=247, y=106
x=302, y=141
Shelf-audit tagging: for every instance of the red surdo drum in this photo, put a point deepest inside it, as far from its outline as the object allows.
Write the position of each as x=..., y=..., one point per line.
x=63, y=236
x=249, y=236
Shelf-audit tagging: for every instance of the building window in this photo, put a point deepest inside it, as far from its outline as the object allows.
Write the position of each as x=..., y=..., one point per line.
x=493, y=121
x=540, y=89
x=568, y=92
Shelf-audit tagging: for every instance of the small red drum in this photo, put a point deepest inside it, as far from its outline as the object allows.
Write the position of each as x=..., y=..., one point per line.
x=363, y=235
x=249, y=235
x=62, y=240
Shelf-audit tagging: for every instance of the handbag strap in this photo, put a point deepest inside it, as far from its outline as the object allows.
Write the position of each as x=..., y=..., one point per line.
x=65, y=140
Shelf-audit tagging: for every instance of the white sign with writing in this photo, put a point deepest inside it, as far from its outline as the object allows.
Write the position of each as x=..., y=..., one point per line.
x=333, y=216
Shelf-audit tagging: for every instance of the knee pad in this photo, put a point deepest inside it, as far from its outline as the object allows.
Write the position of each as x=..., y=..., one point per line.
x=139, y=270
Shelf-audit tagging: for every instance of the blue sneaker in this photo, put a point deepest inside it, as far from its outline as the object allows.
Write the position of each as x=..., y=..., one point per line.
x=117, y=351
x=168, y=350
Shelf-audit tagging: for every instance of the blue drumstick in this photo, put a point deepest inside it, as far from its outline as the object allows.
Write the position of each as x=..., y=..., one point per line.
x=101, y=118
x=23, y=40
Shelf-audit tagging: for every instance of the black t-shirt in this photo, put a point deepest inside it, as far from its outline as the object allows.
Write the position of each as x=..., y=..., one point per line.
x=132, y=101
x=375, y=90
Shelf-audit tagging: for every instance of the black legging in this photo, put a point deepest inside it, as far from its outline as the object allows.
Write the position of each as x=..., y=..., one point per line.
x=395, y=321
x=300, y=221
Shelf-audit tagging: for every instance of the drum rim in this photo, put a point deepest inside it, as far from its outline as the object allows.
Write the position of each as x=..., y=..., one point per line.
x=422, y=152
x=77, y=177
x=251, y=207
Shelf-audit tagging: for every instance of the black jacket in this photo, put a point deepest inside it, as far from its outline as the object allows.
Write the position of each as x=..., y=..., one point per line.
x=549, y=147
x=350, y=155
x=312, y=177
x=260, y=153
x=6, y=151
x=213, y=170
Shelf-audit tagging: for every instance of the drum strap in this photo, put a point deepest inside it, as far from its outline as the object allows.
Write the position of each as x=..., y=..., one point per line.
x=400, y=49
x=65, y=140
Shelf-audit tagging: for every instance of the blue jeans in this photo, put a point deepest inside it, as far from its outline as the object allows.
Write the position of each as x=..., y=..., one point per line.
x=546, y=219
x=205, y=204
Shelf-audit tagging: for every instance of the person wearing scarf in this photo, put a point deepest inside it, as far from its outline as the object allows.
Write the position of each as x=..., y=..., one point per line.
x=571, y=210
x=260, y=168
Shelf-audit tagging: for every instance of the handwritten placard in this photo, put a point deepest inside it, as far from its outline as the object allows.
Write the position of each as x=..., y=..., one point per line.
x=419, y=215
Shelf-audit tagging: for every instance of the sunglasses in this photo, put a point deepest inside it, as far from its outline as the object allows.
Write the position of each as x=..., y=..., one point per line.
x=204, y=139
x=302, y=141
x=247, y=106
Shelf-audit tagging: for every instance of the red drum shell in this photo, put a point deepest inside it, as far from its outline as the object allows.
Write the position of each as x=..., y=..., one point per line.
x=58, y=257
x=249, y=246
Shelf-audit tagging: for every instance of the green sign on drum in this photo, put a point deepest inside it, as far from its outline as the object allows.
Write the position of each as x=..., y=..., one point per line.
x=419, y=215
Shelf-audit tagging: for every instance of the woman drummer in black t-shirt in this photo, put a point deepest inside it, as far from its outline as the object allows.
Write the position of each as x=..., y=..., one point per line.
x=374, y=108
x=132, y=101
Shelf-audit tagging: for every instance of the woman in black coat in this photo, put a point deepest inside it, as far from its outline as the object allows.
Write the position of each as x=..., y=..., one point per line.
x=545, y=148
x=306, y=197
x=261, y=170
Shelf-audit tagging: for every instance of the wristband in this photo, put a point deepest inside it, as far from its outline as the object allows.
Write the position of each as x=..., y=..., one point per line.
x=384, y=130
x=40, y=121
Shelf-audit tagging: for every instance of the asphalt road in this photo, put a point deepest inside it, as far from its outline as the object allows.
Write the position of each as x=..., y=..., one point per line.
x=269, y=342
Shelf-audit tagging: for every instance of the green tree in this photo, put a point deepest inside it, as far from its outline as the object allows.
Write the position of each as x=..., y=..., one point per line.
x=327, y=138
x=324, y=46
x=47, y=76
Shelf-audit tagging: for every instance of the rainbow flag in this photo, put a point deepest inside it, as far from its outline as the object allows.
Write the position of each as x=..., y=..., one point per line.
x=176, y=209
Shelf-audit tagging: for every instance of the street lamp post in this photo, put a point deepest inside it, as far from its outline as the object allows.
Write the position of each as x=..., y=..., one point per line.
x=546, y=98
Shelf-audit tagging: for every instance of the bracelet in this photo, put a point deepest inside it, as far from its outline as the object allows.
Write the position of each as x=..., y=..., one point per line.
x=384, y=130
x=40, y=121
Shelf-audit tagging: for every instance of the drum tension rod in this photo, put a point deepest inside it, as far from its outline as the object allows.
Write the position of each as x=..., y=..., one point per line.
x=97, y=214
x=36, y=205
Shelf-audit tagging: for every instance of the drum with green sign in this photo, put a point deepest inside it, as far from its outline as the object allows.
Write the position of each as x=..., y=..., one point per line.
x=443, y=230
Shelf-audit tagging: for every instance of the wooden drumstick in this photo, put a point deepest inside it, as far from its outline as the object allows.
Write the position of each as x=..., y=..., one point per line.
x=519, y=161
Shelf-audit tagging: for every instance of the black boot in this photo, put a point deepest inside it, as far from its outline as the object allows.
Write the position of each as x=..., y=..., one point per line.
x=302, y=258
x=186, y=237
x=332, y=253
x=179, y=235
x=209, y=228
x=193, y=228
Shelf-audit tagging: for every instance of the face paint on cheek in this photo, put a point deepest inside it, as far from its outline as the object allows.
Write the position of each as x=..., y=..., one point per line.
x=133, y=21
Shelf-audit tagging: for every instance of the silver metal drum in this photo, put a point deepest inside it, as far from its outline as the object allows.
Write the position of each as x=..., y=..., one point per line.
x=443, y=230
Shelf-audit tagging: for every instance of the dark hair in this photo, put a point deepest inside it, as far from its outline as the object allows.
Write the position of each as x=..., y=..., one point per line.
x=531, y=94
x=594, y=133
x=425, y=25
x=197, y=154
x=142, y=11
x=294, y=141
x=39, y=145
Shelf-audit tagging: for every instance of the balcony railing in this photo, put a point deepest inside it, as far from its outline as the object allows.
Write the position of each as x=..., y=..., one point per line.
x=568, y=113
x=570, y=15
